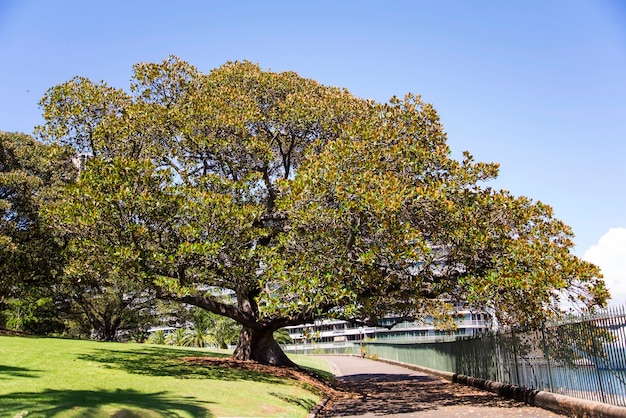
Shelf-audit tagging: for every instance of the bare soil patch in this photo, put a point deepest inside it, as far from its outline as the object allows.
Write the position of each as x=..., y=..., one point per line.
x=303, y=376
x=8, y=333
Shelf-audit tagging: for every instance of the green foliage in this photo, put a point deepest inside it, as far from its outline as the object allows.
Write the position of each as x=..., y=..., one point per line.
x=29, y=174
x=157, y=337
x=179, y=338
x=199, y=338
x=35, y=315
x=218, y=331
x=302, y=200
x=281, y=336
x=30, y=254
x=48, y=294
x=104, y=279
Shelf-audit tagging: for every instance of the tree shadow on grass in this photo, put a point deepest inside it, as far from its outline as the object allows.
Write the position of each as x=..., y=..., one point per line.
x=88, y=403
x=306, y=404
x=155, y=361
x=7, y=372
x=320, y=374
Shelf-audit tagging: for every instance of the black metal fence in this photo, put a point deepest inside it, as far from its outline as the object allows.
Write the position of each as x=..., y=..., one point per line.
x=583, y=356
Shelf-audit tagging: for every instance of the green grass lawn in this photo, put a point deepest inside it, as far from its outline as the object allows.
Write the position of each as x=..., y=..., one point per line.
x=47, y=377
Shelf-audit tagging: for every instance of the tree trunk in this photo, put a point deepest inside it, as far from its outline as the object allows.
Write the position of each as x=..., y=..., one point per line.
x=259, y=345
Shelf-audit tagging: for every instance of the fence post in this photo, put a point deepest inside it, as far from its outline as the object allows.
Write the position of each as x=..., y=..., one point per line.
x=546, y=354
x=596, y=354
x=514, y=344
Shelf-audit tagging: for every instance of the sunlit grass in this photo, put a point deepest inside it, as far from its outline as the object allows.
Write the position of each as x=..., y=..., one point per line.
x=43, y=377
x=315, y=364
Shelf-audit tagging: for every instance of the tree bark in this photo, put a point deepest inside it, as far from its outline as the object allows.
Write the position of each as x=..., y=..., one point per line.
x=259, y=345
x=256, y=342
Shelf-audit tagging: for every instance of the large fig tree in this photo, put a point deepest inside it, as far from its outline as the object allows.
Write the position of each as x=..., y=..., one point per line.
x=301, y=200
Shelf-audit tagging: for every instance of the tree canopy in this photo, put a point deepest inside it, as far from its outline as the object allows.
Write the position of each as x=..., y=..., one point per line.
x=30, y=256
x=39, y=291
x=300, y=199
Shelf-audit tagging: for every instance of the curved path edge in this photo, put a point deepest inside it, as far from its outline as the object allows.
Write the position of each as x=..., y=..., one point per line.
x=318, y=407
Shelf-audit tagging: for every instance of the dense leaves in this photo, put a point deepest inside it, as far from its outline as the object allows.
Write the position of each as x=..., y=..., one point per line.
x=30, y=256
x=300, y=200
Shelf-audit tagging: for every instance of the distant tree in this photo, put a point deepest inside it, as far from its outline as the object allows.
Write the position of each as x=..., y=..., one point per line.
x=34, y=313
x=109, y=309
x=199, y=338
x=223, y=331
x=31, y=257
x=108, y=295
x=40, y=290
x=302, y=200
x=282, y=336
x=180, y=337
x=218, y=330
x=157, y=337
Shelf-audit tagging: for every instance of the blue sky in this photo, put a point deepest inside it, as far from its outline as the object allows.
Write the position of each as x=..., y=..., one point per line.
x=538, y=86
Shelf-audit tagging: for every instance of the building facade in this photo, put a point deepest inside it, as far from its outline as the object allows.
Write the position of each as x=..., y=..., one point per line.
x=342, y=337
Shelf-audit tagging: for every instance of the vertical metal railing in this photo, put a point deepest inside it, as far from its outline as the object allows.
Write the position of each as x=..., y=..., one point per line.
x=583, y=356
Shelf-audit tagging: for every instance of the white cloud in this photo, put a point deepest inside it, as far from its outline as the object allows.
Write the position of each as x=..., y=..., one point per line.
x=610, y=255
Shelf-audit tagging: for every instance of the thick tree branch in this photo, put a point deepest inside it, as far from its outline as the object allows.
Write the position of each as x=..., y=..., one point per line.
x=216, y=307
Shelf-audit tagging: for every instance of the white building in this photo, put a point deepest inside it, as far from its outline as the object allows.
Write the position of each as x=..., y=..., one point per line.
x=344, y=337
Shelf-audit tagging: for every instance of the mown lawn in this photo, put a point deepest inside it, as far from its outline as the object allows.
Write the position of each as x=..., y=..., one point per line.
x=47, y=377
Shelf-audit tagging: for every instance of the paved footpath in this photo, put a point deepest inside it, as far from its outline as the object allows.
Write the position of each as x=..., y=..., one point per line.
x=381, y=389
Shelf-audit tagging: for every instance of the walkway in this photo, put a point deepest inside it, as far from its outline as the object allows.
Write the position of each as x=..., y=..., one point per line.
x=380, y=389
